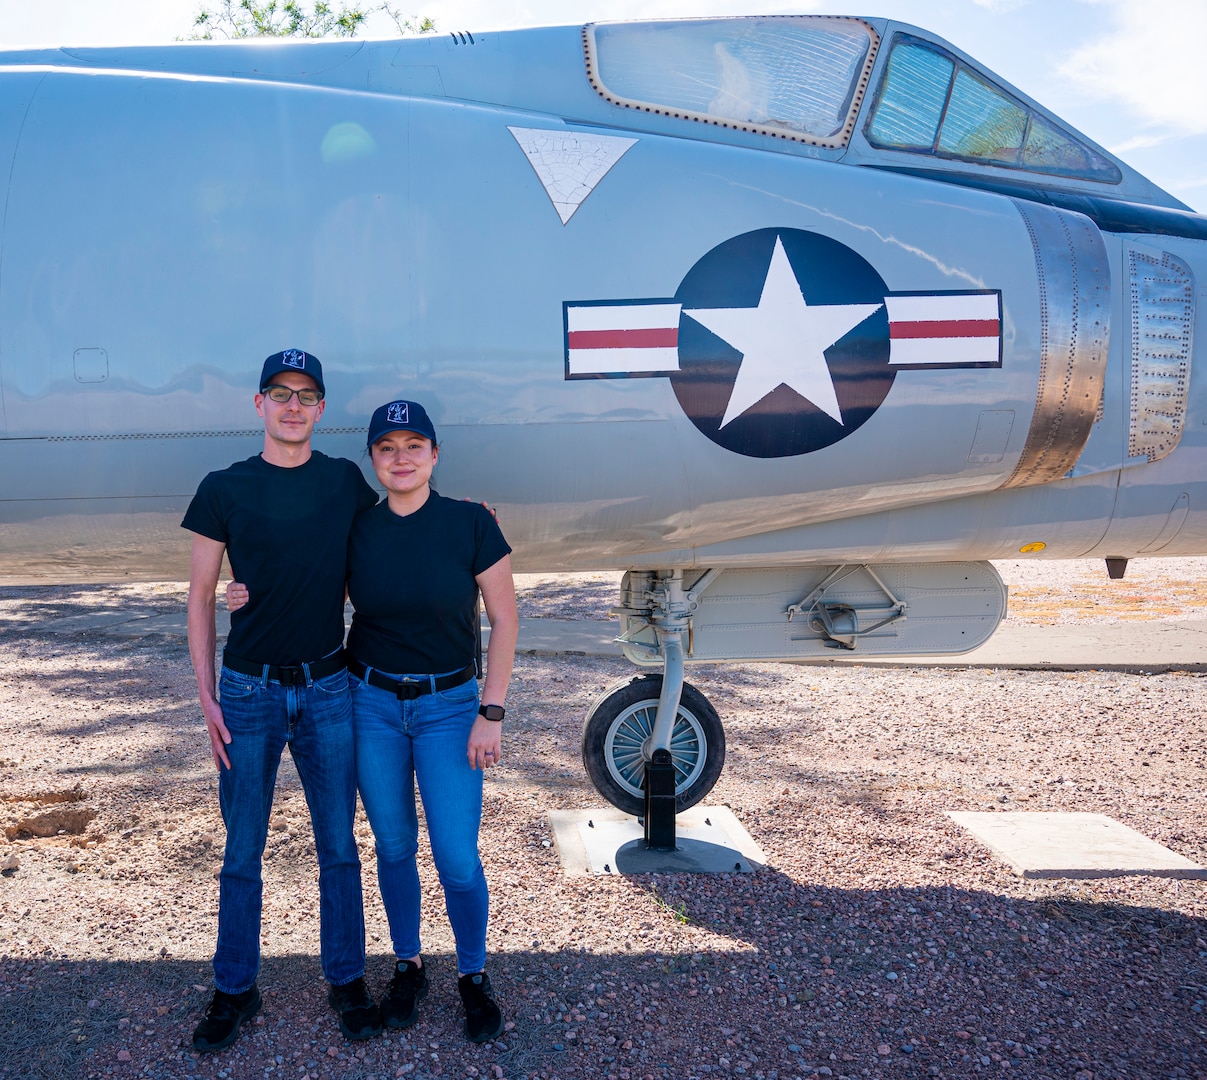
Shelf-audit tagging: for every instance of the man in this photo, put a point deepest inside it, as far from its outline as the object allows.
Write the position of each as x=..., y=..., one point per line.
x=283, y=518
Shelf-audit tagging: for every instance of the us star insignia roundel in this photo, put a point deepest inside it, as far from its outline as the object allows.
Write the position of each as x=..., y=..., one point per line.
x=781, y=342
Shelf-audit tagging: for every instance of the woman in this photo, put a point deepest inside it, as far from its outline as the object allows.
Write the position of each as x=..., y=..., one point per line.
x=416, y=562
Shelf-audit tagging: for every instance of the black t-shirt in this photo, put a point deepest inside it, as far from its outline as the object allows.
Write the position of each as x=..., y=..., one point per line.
x=286, y=534
x=411, y=581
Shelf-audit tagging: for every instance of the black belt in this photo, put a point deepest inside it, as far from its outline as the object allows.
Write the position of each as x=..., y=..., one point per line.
x=289, y=676
x=409, y=689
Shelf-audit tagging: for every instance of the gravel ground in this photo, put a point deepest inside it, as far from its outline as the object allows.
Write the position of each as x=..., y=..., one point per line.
x=879, y=941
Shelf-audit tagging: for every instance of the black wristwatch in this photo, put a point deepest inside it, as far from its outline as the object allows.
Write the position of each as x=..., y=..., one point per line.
x=491, y=712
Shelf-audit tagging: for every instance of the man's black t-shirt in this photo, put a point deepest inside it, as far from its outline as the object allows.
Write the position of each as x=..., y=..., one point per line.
x=411, y=582
x=286, y=534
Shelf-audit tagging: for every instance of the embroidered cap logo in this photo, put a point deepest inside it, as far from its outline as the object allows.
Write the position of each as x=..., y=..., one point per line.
x=398, y=413
x=294, y=358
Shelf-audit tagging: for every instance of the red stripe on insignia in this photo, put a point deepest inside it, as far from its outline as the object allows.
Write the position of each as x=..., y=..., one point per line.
x=947, y=328
x=624, y=339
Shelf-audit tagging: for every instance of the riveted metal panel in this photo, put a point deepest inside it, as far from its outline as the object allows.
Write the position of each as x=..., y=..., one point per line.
x=1162, y=342
x=1074, y=281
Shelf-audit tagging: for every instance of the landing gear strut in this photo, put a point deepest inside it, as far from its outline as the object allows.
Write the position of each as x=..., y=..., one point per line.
x=653, y=745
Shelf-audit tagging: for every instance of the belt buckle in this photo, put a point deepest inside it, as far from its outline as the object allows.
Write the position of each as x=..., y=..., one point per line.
x=409, y=689
x=291, y=676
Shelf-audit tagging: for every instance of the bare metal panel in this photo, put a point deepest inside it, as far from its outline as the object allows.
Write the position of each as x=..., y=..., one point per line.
x=1162, y=333
x=1074, y=282
x=790, y=612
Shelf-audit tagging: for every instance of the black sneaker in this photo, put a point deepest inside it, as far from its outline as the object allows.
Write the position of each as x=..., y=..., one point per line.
x=483, y=1021
x=223, y=1018
x=359, y=1018
x=400, y=1006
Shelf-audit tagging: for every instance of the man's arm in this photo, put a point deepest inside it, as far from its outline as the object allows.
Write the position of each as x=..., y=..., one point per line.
x=204, y=567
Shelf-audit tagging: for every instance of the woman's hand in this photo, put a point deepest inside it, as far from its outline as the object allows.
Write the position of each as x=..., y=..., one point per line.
x=236, y=595
x=485, y=743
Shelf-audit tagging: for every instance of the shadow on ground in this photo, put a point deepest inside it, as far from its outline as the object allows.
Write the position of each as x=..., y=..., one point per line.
x=899, y=982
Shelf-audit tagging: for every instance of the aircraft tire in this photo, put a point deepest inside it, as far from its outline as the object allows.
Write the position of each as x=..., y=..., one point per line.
x=620, y=721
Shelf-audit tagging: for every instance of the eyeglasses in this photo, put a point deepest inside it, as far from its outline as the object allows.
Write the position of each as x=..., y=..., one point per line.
x=282, y=394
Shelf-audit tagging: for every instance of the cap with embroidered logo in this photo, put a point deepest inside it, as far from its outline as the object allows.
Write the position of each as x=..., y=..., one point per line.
x=292, y=360
x=400, y=416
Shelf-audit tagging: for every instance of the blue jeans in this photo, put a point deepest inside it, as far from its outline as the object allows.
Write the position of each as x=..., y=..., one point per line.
x=315, y=721
x=424, y=740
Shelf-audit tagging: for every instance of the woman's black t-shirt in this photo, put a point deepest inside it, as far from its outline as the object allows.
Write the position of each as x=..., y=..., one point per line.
x=411, y=582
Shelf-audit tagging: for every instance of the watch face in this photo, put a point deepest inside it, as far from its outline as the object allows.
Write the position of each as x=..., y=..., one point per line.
x=492, y=712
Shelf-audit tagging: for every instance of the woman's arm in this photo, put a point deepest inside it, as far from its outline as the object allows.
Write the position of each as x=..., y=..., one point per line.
x=498, y=594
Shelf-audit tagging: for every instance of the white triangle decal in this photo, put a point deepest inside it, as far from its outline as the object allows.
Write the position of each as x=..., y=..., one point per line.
x=569, y=164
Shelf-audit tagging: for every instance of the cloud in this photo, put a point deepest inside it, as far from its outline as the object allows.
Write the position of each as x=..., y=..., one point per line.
x=1150, y=61
x=1141, y=142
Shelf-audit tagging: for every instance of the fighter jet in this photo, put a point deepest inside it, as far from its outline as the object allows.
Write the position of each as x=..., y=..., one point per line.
x=797, y=321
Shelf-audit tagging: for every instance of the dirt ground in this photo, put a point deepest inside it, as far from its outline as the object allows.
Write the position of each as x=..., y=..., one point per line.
x=879, y=941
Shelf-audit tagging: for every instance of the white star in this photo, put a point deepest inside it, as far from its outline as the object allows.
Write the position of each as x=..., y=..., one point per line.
x=783, y=341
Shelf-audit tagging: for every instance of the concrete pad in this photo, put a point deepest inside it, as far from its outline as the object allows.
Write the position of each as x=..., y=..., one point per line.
x=1057, y=845
x=708, y=840
x=1133, y=646
x=564, y=637
x=1147, y=647
x=118, y=623
x=1141, y=646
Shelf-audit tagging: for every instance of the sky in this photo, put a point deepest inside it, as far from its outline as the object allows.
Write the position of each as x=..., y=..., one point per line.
x=1127, y=73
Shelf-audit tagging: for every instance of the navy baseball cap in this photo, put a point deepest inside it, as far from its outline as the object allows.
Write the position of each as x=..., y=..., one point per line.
x=400, y=416
x=292, y=360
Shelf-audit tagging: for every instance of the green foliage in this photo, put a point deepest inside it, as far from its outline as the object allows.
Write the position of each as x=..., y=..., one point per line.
x=294, y=18
x=679, y=914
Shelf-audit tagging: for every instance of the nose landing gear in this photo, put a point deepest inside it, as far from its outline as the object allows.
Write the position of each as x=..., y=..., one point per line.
x=654, y=746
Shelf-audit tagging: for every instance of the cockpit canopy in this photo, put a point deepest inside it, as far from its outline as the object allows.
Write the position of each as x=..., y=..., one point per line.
x=804, y=78
x=795, y=78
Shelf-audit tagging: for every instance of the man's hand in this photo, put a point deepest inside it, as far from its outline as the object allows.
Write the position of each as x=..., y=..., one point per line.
x=220, y=738
x=494, y=513
x=236, y=595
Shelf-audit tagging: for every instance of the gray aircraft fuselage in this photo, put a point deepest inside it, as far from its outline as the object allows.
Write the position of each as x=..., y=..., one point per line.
x=651, y=335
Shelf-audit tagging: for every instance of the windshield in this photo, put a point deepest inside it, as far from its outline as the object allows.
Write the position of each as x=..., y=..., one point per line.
x=931, y=103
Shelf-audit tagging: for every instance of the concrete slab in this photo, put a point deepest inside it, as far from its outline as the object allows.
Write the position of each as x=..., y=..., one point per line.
x=709, y=840
x=1179, y=645
x=570, y=637
x=118, y=624
x=1133, y=646
x=1059, y=845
